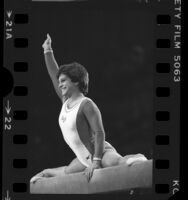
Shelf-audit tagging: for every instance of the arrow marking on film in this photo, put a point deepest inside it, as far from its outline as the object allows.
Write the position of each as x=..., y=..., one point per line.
x=8, y=108
x=7, y=197
x=9, y=13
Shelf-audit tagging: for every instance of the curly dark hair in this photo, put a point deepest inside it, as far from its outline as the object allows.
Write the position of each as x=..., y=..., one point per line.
x=77, y=73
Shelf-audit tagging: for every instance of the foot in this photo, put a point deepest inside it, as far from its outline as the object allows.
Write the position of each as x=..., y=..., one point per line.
x=35, y=178
x=44, y=174
x=136, y=158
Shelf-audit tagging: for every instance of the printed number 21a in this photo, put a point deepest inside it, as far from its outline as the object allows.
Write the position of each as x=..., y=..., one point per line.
x=7, y=123
x=9, y=24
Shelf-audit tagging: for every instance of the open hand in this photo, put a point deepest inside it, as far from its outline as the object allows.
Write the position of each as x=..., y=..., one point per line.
x=89, y=170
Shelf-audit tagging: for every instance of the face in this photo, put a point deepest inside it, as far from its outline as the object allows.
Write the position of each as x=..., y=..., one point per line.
x=66, y=86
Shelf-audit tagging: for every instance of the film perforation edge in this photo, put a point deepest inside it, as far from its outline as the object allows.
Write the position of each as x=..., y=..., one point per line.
x=161, y=93
x=20, y=115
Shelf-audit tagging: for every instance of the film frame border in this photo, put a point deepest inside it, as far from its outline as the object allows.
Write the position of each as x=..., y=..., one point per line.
x=163, y=90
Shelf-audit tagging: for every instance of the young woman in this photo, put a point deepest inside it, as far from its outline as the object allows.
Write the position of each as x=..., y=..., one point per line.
x=80, y=121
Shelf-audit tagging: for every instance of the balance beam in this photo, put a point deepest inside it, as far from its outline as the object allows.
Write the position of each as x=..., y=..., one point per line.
x=117, y=178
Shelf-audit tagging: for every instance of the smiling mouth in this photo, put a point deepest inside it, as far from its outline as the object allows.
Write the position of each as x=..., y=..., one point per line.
x=63, y=88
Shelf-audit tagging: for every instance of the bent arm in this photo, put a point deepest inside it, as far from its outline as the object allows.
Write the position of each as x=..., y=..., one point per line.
x=94, y=118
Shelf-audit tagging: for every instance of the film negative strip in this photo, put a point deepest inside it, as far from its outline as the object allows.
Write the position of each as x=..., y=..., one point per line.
x=130, y=55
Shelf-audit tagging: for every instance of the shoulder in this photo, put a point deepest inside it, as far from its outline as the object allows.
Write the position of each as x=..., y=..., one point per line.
x=89, y=106
x=87, y=102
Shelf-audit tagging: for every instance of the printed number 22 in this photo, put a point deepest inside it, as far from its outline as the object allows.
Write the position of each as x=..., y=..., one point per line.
x=7, y=120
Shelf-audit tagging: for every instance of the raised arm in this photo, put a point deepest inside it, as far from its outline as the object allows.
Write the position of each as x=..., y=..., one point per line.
x=51, y=64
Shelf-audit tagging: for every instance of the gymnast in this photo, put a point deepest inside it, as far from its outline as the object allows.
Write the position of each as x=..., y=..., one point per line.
x=80, y=121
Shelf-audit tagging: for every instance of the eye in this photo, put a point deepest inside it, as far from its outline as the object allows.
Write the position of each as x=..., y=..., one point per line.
x=61, y=80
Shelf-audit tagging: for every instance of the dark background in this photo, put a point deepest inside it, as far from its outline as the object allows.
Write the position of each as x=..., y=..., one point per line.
x=115, y=44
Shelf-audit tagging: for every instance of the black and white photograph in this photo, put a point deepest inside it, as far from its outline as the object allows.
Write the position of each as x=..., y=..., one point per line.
x=92, y=99
x=92, y=108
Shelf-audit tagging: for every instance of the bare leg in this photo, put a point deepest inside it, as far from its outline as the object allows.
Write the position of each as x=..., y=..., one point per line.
x=112, y=158
x=74, y=167
x=132, y=159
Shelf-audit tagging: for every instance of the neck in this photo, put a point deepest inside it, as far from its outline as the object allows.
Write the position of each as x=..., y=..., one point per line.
x=75, y=96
